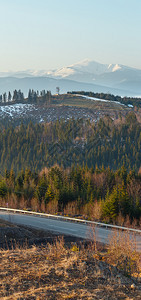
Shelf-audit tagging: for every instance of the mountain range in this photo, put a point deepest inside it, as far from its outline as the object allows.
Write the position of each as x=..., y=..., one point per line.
x=86, y=75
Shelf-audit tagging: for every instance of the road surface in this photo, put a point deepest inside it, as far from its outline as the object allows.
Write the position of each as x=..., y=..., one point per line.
x=64, y=227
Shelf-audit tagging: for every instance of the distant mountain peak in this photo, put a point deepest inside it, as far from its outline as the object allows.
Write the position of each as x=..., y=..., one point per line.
x=83, y=62
x=87, y=66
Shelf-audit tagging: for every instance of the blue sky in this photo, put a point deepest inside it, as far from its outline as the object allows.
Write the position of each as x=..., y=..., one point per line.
x=49, y=34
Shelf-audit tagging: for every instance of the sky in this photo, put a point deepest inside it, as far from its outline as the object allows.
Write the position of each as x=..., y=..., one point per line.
x=50, y=34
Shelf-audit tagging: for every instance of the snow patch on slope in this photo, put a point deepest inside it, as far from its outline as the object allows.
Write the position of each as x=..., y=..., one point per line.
x=97, y=99
x=116, y=67
x=16, y=109
x=64, y=72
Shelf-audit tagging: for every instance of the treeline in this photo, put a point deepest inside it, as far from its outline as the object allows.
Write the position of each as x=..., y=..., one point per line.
x=46, y=96
x=104, y=143
x=124, y=100
x=18, y=97
x=38, y=97
x=99, y=194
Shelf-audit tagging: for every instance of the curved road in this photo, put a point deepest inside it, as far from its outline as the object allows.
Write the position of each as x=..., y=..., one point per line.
x=64, y=227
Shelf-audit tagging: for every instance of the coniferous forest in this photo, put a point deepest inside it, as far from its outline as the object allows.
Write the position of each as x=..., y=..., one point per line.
x=74, y=167
x=106, y=143
x=98, y=194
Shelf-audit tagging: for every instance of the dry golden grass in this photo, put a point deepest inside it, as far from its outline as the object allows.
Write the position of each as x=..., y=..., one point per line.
x=122, y=253
x=58, y=272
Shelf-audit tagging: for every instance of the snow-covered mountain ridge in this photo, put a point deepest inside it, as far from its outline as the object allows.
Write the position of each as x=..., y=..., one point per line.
x=115, y=76
x=84, y=66
x=112, y=78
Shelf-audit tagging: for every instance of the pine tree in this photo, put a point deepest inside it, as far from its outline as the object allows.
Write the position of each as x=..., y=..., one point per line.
x=9, y=97
x=124, y=200
x=110, y=206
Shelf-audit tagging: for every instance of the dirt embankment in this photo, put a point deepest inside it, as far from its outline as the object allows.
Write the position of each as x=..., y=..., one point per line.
x=42, y=265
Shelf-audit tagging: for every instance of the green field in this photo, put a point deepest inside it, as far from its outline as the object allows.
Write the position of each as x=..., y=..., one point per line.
x=72, y=100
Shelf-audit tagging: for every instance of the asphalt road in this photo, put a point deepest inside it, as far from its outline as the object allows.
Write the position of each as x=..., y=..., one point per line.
x=64, y=227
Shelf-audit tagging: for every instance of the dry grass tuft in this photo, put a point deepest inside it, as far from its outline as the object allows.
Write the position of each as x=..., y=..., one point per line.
x=122, y=253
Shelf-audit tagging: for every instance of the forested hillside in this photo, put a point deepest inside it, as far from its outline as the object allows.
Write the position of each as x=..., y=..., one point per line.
x=105, y=143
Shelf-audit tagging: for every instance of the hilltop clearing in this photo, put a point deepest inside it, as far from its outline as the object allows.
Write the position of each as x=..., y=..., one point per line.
x=65, y=106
